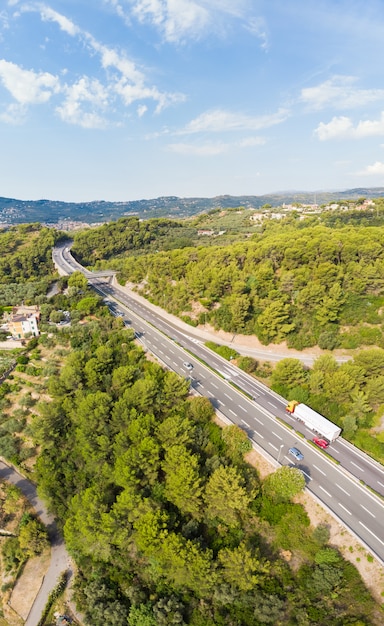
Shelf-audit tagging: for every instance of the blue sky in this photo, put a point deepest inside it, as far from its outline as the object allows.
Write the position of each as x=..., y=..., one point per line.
x=129, y=99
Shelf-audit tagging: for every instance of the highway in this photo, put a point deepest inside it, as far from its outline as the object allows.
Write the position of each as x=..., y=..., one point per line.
x=337, y=482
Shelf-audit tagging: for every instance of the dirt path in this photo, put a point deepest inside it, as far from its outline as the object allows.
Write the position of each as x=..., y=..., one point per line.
x=60, y=560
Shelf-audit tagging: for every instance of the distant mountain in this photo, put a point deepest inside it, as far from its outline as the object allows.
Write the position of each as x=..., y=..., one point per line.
x=53, y=212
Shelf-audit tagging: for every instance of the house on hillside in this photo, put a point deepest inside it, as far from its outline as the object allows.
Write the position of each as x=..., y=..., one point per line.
x=205, y=232
x=24, y=322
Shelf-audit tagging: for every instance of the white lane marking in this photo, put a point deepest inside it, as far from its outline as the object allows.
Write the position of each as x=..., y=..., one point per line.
x=259, y=435
x=379, y=483
x=287, y=457
x=343, y=507
x=210, y=392
x=174, y=363
x=257, y=420
x=368, y=511
x=372, y=533
x=243, y=409
x=215, y=386
x=278, y=436
x=201, y=375
x=247, y=425
x=172, y=351
x=358, y=466
x=318, y=468
x=272, y=446
x=335, y=451
x=342, y=489
x=229, y=397
x=233, y=412
x=271, y=403
x=307, y=475
x=161, y=352
x=322, y=488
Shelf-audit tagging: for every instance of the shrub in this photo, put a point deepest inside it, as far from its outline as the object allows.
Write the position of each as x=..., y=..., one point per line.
x=22, y=359
x=247, y=364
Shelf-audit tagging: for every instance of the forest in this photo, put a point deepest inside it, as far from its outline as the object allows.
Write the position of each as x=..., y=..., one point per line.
x=26, y=267
x=312, y=281
x=167, y=521
x=165, y=517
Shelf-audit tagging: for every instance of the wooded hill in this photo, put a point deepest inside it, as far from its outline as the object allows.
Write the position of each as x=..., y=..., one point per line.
x=305, y=280
x=14, y=211
x=167, y=522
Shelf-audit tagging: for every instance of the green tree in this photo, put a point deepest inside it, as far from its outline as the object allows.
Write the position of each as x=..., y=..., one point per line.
x=237, y=442
x=33, y=538
x=226, y=498
x=77, y=282
x=288, y=373
x=273, y=324
x=374, y=390
x=182, y=480
x=141, y=615
x=56, y=317
x=372, y=361
x=349, y=425
x=283, y=484
x=88, y=305
x=241, y=568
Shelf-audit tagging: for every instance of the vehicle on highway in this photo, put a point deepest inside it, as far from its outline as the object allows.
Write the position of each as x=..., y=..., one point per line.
x=295, y=452
x=313, y=420
x=188, y=365
x=322, y=443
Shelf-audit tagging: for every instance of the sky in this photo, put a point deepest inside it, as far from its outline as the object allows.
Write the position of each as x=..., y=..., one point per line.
x=133, y=99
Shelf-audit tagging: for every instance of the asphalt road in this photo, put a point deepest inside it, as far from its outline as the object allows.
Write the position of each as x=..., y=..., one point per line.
x=337, y=481
x=60, y=560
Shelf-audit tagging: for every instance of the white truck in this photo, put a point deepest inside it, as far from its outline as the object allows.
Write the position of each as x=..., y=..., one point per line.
x=313, y=420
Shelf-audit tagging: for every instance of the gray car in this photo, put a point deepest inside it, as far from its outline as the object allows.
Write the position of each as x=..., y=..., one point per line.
x=295, y=452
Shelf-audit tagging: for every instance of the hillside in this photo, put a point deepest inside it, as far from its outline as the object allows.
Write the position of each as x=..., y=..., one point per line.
x=13, y=211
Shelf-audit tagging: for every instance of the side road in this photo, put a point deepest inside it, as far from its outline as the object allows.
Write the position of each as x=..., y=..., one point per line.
x=60, y=559
x=247, y=345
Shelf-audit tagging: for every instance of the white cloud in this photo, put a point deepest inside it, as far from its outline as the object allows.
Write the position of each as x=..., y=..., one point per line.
x=208, y=149
x=339, y=92
x=27, y=86
x=175, y=18
x=123, y=79
x=256, y=26
x=14, y=114
x=180, y=20
x=49, y=15
x=84, y=92
x=373, y=170
x=219, y=120
x=337, y=127
x=141, y=109
x=342, y=127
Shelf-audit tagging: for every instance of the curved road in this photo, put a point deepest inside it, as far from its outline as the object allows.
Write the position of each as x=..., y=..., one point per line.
x=339, y=482
x=60, y=559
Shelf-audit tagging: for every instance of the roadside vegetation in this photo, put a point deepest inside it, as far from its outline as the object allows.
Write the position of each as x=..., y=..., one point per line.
x=167, y=522
x=22, y=536
x=304, y=280
x=165, y=519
